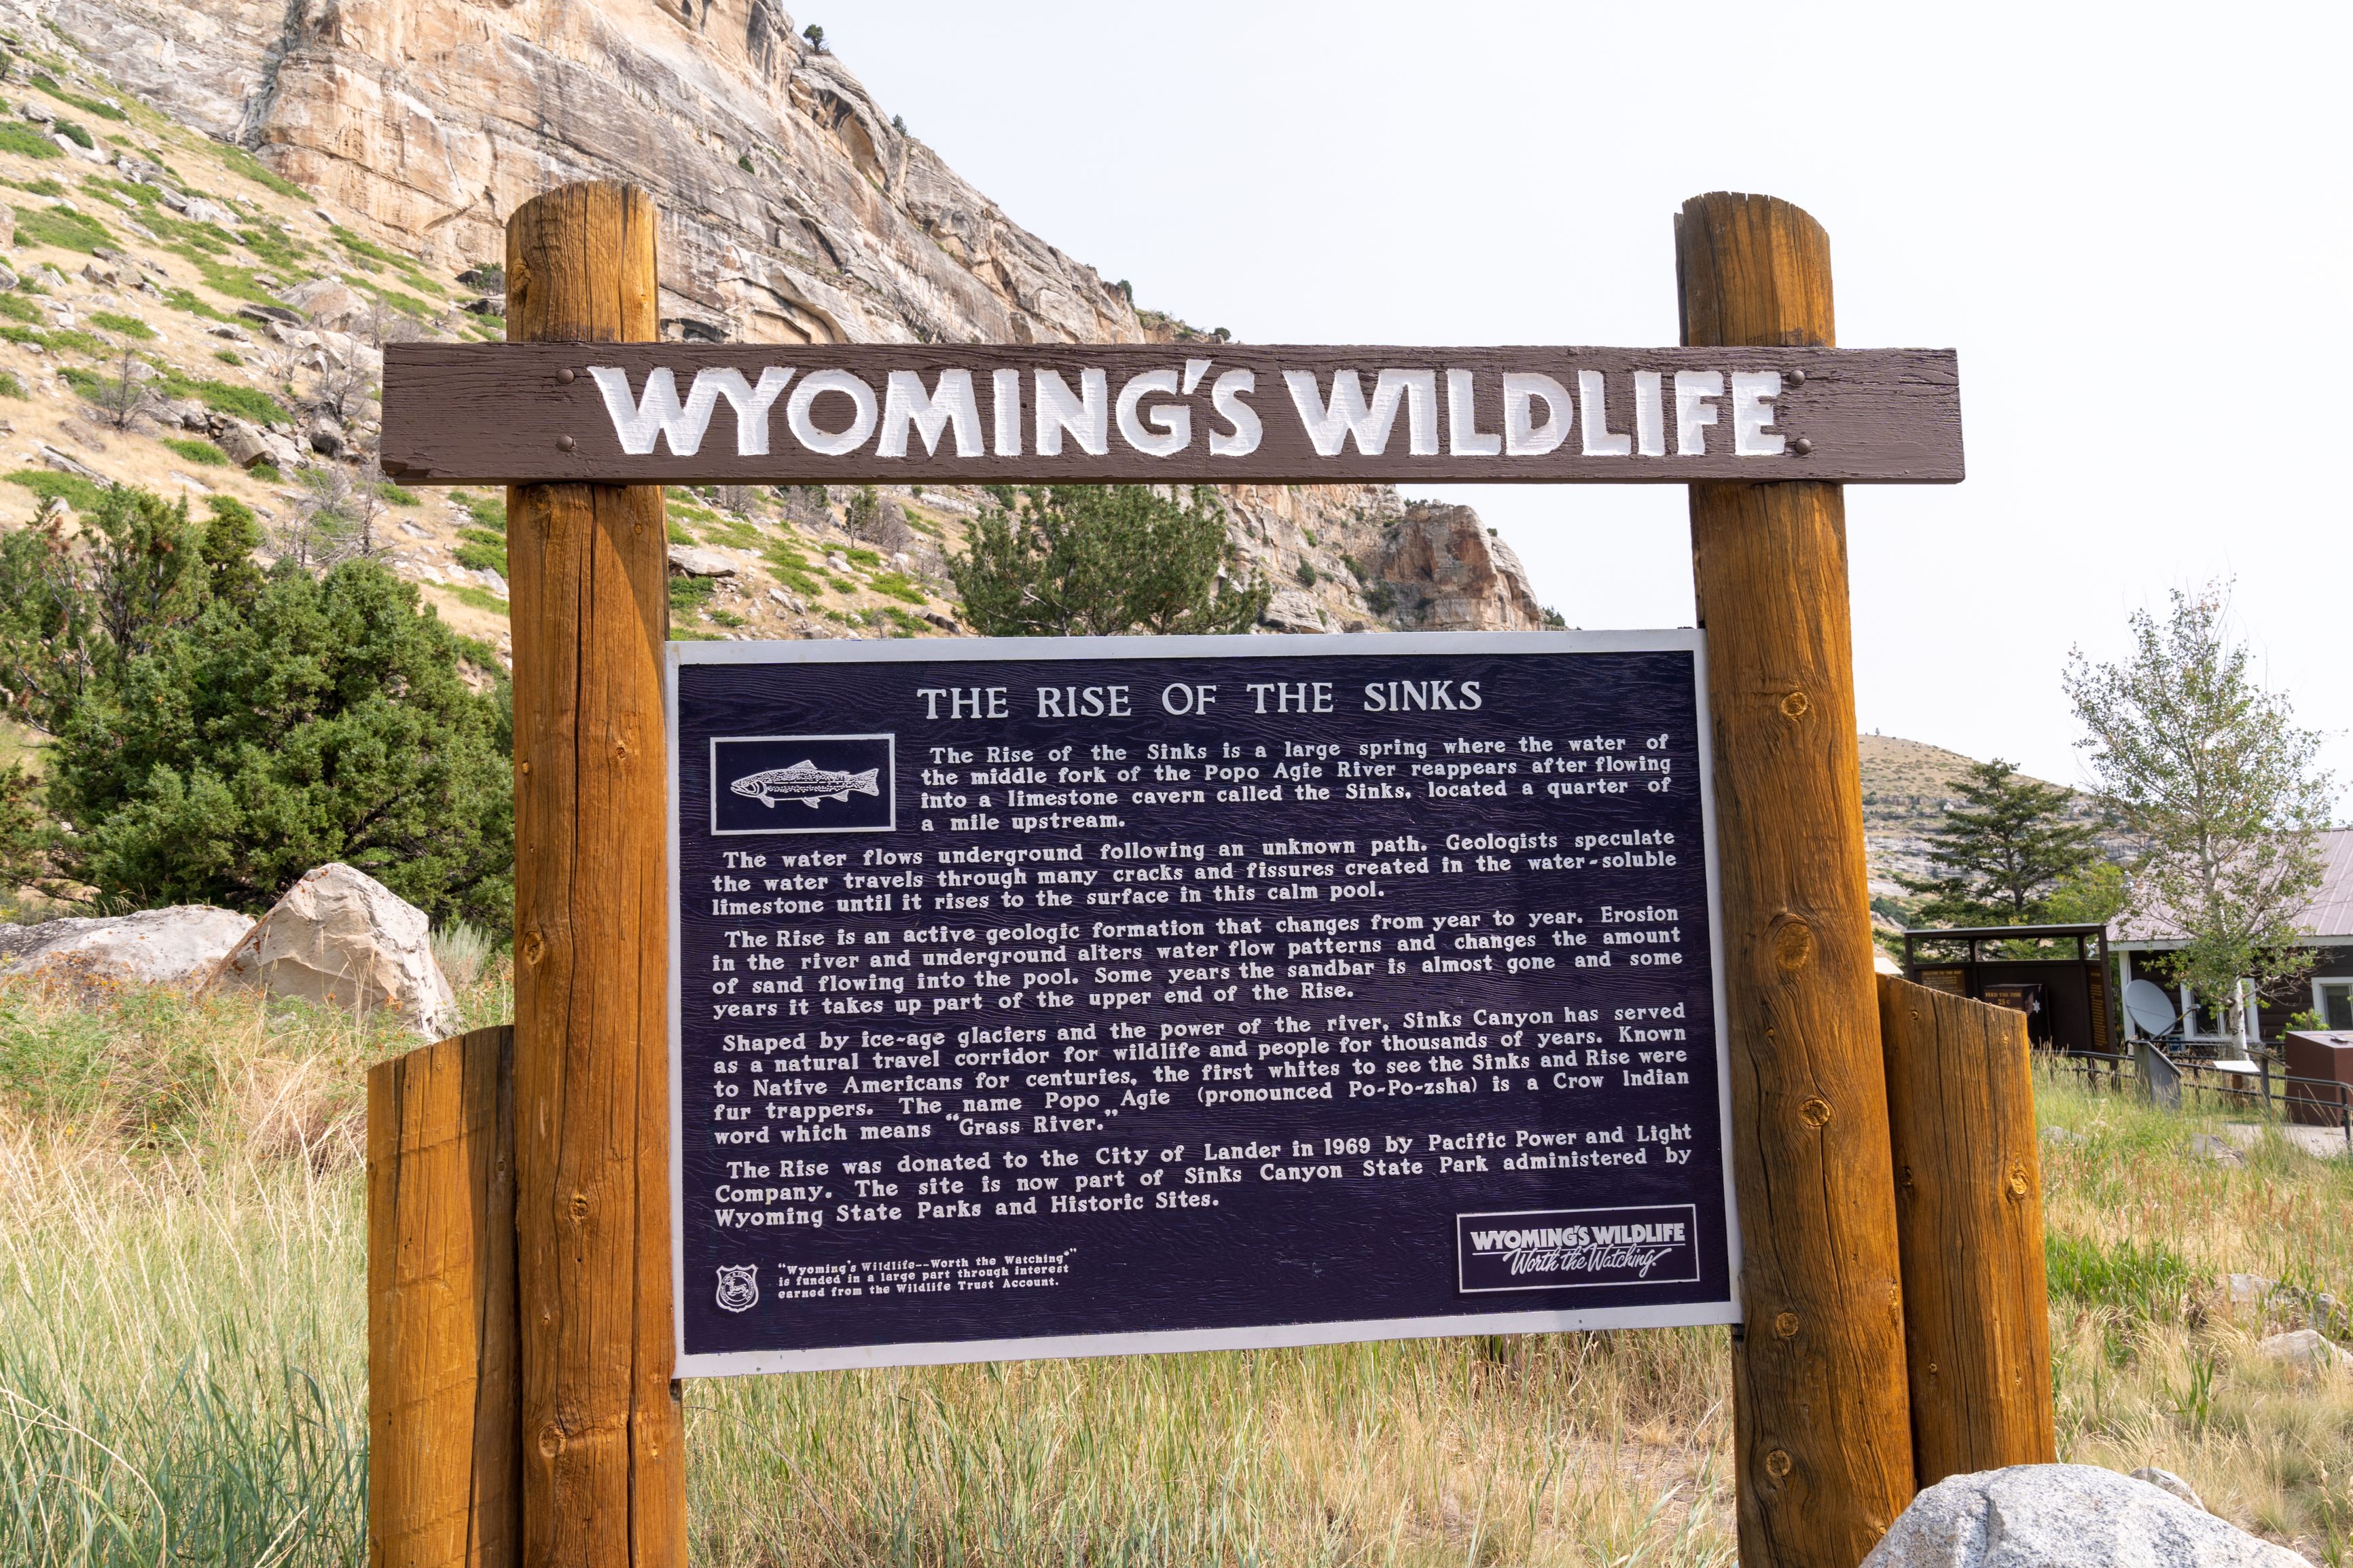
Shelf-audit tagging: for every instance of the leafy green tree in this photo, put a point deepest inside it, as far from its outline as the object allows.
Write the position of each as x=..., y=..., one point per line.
x=1102, y=560
x=24, y=829
x=2220, y=788
x=325, y=720
x=2001, y=852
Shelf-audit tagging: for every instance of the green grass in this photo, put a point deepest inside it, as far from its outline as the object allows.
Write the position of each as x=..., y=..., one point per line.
x=393, y=495
x=487, y=511
x=480, y=598
x=860, y=557
x=27, y=142
x=47, y=483
x=239, y=161
x=224, y=397
x=73, y=340
x=897, y=585
x=14, y=307
x=128, y=326
x=61, y=230
x=185, y=299
x=481, y=550
x=677, y=532
x=77, y=134
x=196, y=451
x=691, y=593
x=267, y=471
x=25, y=335
x=9, y=385
x=87, y=105
x=228, y=356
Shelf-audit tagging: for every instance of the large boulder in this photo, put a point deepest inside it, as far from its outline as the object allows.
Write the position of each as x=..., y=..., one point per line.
x=2064, y=1516
x=340, y=938
x=154, y=947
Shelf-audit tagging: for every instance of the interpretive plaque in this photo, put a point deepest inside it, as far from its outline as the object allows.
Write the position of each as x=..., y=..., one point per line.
x=1071, y=996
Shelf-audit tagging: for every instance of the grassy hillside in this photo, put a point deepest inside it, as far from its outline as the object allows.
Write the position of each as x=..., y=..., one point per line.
x=182, y=1378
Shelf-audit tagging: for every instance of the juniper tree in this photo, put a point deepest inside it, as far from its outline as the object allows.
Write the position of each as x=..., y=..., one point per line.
x=1102, y=560
x=2001, y=852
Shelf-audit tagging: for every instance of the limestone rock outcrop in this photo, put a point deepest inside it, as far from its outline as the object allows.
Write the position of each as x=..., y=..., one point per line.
x=340, y=938
x=795, y=209
x=1451, y=573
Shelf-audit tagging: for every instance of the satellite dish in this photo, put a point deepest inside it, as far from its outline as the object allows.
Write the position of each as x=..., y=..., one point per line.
x=2150, y=1007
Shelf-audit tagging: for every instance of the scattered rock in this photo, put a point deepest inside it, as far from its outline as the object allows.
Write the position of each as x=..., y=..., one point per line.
x=2064, y=1516
x=95, y=270
x=326, y=302
x=2305, y=1348
x=342, y=938
x=40, y=113
x=488, y=305
x=482, y=277
x=154, y=947
x=230, y=331
x=2246, y=1289
x=7, y=278
x=688, y=560
x=199, y=210
x=265, y=314
x=73, y=149
x=65, y=464
x=2170, y=1484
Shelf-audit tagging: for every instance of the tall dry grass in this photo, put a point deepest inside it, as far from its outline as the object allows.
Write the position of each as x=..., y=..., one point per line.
x=182, y=1340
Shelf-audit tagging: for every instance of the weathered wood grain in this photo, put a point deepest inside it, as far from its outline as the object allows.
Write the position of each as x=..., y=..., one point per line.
x=603, y=1470
x=1968, y=1201
x=490, y=413
x=444, y=1483
x=1821, y=1419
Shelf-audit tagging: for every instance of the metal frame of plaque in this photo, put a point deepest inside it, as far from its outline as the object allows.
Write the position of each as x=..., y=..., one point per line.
x=1492, y=1307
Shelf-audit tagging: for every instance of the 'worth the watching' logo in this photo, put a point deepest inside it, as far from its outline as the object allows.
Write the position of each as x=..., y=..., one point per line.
x=1554, y=1249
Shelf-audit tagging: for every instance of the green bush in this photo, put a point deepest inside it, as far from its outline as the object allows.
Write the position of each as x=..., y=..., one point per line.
x=26, y=143
x=9, y=385
x=480, y=598
x=896, y=584
x=44, y=186
x=228, y=356
x=393, y=495
x=689, y=594
x=76, y=135
x=16, y=309
x=1100, y=560
x=129, y=326
x=226, y=397
x=196, y=451
x=248, y=732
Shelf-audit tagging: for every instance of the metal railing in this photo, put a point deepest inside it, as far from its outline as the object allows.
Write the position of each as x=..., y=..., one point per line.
x=2155, y=1075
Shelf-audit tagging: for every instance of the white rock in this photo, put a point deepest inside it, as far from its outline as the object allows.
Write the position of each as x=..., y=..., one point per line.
x=695, y=563
x=154, y=947
x=2303, y=1347
x=342, y=938
x=2064, y=1516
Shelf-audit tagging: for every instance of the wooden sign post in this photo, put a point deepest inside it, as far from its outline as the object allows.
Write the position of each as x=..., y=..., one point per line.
x=571, y=1352
x=1822, y=1421
x=604, y=1476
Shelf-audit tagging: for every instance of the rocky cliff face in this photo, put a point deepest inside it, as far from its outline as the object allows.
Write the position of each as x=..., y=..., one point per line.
x=794, y=210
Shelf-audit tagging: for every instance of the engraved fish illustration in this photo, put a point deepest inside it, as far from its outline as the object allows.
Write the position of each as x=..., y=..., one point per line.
x=806, y=783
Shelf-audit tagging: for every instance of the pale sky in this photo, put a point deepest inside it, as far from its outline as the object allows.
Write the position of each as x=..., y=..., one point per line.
x=2131, y=222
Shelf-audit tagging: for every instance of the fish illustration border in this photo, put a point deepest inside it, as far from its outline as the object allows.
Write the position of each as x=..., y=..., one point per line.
x=890, y=772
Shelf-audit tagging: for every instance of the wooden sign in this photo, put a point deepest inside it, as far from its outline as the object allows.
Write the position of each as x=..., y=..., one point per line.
x=750, y=414
x=1066, y=996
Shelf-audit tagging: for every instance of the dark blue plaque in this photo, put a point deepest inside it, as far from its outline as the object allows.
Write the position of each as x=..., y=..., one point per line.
x=1054, y=997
